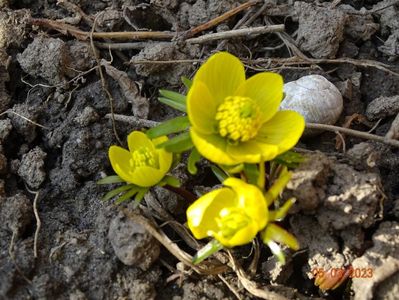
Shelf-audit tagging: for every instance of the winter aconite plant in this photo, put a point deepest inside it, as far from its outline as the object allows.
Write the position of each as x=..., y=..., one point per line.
x=141, y=167
x=234, y=120
x=235, y=123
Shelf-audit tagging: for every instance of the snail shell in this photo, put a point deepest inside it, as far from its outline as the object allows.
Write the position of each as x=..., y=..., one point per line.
x=315, y=98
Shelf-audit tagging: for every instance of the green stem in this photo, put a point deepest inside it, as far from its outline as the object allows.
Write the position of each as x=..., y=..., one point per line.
x=262, y=174
x=210, y=248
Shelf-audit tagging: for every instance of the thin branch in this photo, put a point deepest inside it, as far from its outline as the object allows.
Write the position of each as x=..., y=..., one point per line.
x=220, y=18
x=356, y=133
x=236, y=33
x=134, y=121
x=118, y=35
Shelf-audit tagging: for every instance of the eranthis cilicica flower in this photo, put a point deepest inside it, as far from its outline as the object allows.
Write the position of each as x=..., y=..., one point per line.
x=234, y=120
x=233, y=215
x=143, y=164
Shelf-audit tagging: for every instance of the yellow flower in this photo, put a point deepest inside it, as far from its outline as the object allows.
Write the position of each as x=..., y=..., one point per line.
x=233, y=215
x=143, y=165
x=234, y=120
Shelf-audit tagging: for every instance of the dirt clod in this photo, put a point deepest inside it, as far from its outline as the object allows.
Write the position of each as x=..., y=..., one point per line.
x=380, y=258
x=46, y=58
x=320, y=30
x=383, y=107
x=16, y=213
x=32, y=168
x=132, y=244
x=5, y=129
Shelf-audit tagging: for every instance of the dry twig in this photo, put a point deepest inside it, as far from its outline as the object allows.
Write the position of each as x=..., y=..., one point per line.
x=356, y=133
x=134, y=121
x=220, y=18
x=251, y=286
x=236, y=33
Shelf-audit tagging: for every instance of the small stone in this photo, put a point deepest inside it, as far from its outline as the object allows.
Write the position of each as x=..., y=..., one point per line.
x=32, y=167
x=382, y=107
x=87, y=116
x=132, y=244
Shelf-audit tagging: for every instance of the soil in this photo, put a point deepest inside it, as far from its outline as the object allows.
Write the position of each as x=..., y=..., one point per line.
x=55, y=131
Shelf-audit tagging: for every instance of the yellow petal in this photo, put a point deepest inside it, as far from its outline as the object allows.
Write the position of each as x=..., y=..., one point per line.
x=146, y=176
x=201, y=108
x=251, y=152
x=159, y=140
x=222, y=73
x=283, y=130
x=266, y=89
x=212, y=147
x=165, y=160
x=251, y=200
x=202, y=214
x=241, y=237
x=138, y=139
x=119, y=159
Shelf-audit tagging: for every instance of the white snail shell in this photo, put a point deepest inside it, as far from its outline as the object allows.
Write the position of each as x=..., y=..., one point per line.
x=315, y=98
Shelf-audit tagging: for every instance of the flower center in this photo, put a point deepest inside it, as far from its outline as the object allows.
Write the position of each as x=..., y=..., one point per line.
x=239, y=118
x=143, y=157
x=231, y=221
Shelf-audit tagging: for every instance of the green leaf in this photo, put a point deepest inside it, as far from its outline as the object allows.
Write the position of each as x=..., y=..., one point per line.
x=176, y=105
x=219, y=173
x=275, y=233
x=290, y=159
x=179, y=143
x=110, y=179
x=232, y=169
x=193, y=158
x=173, y=99
x=140, y=195
x=276, y=250
x=281, y=212
x=210, y=248
x=252, y=173
x=173, y=96
x=129, y=194
x=171, y=126
x=117, y=191
x=187, y=82
x=170, y=180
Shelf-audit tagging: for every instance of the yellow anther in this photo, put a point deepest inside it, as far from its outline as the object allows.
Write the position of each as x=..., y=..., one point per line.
x=239, y=118
x=143, y=157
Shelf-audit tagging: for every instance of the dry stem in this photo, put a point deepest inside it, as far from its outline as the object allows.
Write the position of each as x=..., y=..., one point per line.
x=236, y=33
x=220, y=18
x=356, y=133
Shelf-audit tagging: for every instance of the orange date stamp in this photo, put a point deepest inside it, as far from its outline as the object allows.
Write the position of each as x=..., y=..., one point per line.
x=349, y=271
x=329, y=279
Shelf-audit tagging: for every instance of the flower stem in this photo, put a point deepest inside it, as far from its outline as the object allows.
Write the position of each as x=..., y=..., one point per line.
x=261, y=178
x=181, y=192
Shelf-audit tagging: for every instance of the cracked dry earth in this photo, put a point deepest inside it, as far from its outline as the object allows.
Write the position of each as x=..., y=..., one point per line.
x=55, y=131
